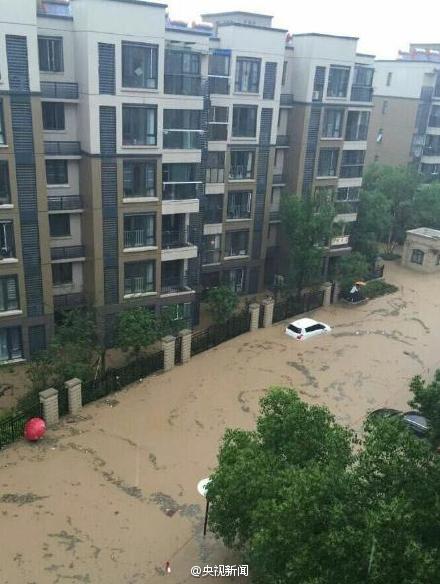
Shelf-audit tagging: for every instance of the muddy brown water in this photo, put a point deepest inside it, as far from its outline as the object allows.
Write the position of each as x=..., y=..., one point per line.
x=112, y=497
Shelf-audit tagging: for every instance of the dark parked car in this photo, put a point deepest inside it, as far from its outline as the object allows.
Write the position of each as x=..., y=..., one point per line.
x=413, y=420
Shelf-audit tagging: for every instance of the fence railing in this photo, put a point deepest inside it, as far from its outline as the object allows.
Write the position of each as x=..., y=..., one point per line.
x=12, y=428
x=64, y=203
x=294, y=305
x=67, y=148
x=218, y=333
x=68, y=300
x=59, y=90
x=67, y=253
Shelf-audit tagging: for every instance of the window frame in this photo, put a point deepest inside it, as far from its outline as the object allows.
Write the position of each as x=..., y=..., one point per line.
x=148, y=168
x=58, y=107
x=3, y=140
x=126, y=107
x=245, y=206
x=248, y=174
x=53, y=219
x=236, y=121
x=153, y=65
x=57, y=174
x=247, y=81
x=235, y=234
x=335, y=92
x=360, y=133
x=7, y=235
x=51, y=59
x=335, y=127
x=334, y=153
x=5, y=195
x=4, y=289
x=416, y=255
x=8, y=331
x=149, y=240
x=151, y=285
x=60, y=267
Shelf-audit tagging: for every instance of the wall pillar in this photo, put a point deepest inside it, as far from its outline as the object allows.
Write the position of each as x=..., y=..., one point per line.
x=186, y=335
x=74, y=394
x=268, y=305
x=327, y=287
x=336, y=292
x=49, y=400
x=254, y=310
x=169, y=352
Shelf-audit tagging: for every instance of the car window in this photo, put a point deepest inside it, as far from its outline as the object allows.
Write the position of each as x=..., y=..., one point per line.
x=314, y=327
x=295, y=329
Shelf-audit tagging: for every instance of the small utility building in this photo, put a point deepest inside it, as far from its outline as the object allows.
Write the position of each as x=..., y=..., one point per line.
x=422, y=250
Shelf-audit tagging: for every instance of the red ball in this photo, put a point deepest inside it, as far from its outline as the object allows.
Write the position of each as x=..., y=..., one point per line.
x=34, y=429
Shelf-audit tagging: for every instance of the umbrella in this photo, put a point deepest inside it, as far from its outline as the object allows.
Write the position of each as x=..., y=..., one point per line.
x=34, y=429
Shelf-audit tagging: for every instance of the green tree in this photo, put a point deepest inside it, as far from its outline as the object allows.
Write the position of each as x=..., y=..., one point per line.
x=399, y=185
x=170, y=321
x=427, y=207
x=136, y=328
x=304, y=501
x=348, y=269
x=426, y=399
x=372, y=224
x=306, y=226
x=222, y=303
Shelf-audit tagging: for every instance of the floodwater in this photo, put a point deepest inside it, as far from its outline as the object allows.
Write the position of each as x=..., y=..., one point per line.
x=111, y=497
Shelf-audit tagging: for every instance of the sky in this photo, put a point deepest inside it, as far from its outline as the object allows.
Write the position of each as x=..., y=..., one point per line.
x=383, y=26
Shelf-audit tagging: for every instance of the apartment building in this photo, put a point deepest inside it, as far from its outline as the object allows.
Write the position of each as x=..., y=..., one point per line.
x=136, y=155
x=405, y=125
x=325, y=109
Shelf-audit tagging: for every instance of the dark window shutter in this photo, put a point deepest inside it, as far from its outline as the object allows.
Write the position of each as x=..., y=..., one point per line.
x=270, y=76
x=18, y=68
x=37, y=339
x=107, y=75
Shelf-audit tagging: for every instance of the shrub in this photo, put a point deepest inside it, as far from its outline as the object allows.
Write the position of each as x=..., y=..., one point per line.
x=376, y=288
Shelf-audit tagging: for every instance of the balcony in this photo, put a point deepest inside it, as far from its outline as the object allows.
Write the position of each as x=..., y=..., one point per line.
x=62, y=148
x=138, y=285
x=362, y=93
x=218, y=85
x=212, y=256
x=176, y=238
x=71, y=252
x=238, y=212
x=59, y=90
x=61, y=301
x=181, y=139
x=286, y=99
x=351, y=171
x=217, y=132
x=183, y=84
x=65, y=203
x=215, y=175
x=240, y=172
x=138, y=238
x=282, y=141
x=179, y=191
x=176, y=285
x=278, y=180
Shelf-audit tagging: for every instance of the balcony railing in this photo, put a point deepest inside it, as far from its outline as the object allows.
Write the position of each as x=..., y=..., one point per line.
x=343, y=207
x=211, y=256
x=59, y=90
x=138, y=285
x=175, y=238
x=434, y=122
x=278, y=179
x=240, y=172
x=67, y=253
x=239, y=212
x=176, y=285
x=183, y=84
x=7, y=251
x=431, y=150
x=219, y=85
x=181, y=139
x=138, y=238
x=62, y=148
x=282, y=141
x=286, y=99
x=217, y=132
x=64, y=203
x=215, y=175
x=61, y=301
x=179, y=191
x=361, y=93
x=340, y=241
x=354, y=171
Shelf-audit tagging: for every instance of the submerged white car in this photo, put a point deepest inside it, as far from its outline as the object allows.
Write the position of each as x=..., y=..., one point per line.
x=306, y=327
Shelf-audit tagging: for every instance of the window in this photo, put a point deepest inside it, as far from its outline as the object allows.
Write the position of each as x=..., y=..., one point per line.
x=50, y=52
x=139, y=65
x=348, y=194
x=212, y=245
x=219, y=64
x=236, y=243
x=10, y=344
x=283, y=78
x=53, y=116
x=139, y=125
x=434, y=118
x=247, y=75
x=352, y=164
x=389, y=79
x=2, y=125
x=139, y=277
x=338, y=81
x=181, y=129
x=363, y=76
x=239, y=204
x=384, y=106
x=62, y=274
x=59, y=225
x=5, y=189
x=182, y=73
x=9, y=293
x=417, y=256
x=7, y=242
x=215, y=167
x=357, y=125
x=179, y=172
x=242, y=164
x=218, y=123
x=328, y=161
x=139, y=230
x=235, y=279
x=56, y=172
x=244, y=122
x=332, y=125
x=139, y=178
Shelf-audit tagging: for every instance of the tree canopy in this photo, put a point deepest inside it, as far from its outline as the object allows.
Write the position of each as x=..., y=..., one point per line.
x=222, y=303
x=304, y=501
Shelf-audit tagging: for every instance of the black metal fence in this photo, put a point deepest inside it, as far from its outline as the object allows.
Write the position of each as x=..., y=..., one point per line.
x=294, y=305
x=115, y=379
x=218, y=333
x=12, y=428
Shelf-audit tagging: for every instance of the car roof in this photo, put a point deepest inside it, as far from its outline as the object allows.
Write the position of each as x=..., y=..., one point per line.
x=304, y=322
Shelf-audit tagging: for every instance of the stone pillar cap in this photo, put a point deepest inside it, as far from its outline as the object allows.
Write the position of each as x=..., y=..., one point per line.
x=73, y=382
x=51, y=392
x=268, y=300
x=254, y=306
x=185, y=332
x=168, y=339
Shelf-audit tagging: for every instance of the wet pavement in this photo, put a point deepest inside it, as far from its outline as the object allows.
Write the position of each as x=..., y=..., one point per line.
x=111, y=497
